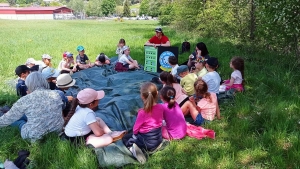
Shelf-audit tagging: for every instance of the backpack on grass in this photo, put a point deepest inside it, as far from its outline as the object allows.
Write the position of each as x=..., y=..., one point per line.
x=185, y=46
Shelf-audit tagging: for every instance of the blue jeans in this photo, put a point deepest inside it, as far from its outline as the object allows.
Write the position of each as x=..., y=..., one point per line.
x=19, y=123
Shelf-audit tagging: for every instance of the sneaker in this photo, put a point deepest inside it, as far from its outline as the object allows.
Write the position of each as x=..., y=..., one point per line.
x=117, y=135
x=138, y=154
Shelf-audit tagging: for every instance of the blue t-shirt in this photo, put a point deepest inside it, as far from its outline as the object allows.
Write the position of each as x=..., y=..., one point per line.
x=21, y=88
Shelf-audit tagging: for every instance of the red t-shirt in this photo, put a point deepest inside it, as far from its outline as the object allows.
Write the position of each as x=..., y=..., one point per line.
x=155, y=40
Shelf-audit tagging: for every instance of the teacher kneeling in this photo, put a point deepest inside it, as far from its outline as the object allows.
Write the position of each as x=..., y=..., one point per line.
x=159, y=39
x=37, y=113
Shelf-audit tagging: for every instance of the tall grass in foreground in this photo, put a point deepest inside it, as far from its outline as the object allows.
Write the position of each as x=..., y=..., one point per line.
x=259, y=130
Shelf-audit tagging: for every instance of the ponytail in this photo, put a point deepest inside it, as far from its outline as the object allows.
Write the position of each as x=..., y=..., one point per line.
x=149, y=95
x=168, y=94
x=74, y=104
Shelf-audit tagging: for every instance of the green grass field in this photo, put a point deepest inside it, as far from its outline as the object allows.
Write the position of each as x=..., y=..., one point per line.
x=260, y=130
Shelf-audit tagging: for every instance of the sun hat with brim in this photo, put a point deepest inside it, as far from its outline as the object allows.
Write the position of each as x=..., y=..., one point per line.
x=182, y=68
x=125, y=48
x=88, y=95
x=80, y=48
x=50, y=72
x=30, y=61
x=46, y=56
x=65, y=80
x=21, y=69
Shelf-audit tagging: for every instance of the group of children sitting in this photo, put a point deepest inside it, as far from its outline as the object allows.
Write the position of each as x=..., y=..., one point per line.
x=188, y=90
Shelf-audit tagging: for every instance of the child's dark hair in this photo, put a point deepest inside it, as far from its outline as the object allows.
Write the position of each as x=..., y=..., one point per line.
x=201, y=89
x=167, y=77
x=101, y=58
x=122, y=41
x=149, y=94
x=74, y=104
x=238, y=64
x=201, y=46
x=173, y=60
x=168, y=94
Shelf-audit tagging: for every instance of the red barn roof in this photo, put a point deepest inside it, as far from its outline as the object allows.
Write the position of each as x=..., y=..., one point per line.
x=35, y=10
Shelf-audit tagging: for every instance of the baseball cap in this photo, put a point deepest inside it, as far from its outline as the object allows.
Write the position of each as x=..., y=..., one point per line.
x=212, y=61
x=30, y=61
x=21, y=69
x=65, y=80
x=125, y=48
x=182, y=68
x=80, y=48
x=88, y=95
x=46, y=56
x=67, y=54
x=158, y=29
x=50, y=72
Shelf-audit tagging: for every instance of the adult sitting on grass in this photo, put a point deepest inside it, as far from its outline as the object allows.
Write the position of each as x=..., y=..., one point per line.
x=42, y=107
x=200, y=52
x=159, y=39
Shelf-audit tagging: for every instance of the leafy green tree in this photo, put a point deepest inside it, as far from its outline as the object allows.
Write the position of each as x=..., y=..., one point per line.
x=144, y=8
x=77, y=6
x=108, y=7
x=94, y=8
x=119, y=2
x=11, y=2
x=279, y=24
x=126, y=9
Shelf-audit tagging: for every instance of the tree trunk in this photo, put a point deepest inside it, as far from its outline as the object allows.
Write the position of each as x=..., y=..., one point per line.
x=252, y=20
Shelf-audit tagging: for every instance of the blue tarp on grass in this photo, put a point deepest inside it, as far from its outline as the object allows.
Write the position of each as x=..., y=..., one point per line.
x=118, y=108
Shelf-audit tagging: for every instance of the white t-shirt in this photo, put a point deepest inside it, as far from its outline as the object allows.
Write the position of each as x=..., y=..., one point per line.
x=237, y=75
x=123, y=59
x=80, y=121
x=60, y=65
x=174, y=70
x=212, y=79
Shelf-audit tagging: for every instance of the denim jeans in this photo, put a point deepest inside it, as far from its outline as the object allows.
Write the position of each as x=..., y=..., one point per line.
x=19, y=123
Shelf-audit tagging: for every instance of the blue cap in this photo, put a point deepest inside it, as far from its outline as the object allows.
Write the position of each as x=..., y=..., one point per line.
x=182, y=68
x=80, y=48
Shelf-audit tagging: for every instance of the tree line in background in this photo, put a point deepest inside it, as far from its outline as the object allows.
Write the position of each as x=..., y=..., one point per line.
x=271, y=24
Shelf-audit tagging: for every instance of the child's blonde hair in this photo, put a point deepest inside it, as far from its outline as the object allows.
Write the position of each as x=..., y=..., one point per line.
x=201, y=89
x=149, y=94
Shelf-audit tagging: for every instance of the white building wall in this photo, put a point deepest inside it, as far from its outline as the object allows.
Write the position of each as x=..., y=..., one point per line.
x=27, y=16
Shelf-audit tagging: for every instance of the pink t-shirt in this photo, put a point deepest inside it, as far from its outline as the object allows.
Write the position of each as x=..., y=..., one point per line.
x=146, y=122
x=208, y=109
x=175, y=122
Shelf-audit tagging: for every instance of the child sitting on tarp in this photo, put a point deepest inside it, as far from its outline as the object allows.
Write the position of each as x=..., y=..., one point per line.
x=82, y=59
x=102, y=59
x=67, y=64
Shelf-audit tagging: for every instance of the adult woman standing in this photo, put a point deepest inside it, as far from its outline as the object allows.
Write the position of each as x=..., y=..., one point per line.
x=37, y=113
x=159, y=39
